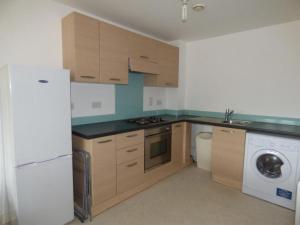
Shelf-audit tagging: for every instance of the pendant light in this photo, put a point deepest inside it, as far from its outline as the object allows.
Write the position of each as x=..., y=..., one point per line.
x=184, y=10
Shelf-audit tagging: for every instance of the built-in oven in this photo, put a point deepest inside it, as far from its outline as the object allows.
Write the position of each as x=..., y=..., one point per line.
x=157, y=146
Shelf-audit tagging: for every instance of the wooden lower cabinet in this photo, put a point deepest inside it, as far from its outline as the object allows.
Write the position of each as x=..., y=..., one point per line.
x=104, y=174
x=130, y=174
x=181, y=138
x=117, y=164
x=177, y=143
x=228, y=147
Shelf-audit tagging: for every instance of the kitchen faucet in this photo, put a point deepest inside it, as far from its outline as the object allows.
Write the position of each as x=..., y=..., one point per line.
x=228, y=115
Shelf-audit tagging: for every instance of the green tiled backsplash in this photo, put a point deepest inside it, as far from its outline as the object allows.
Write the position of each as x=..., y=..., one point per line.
x=129, y=104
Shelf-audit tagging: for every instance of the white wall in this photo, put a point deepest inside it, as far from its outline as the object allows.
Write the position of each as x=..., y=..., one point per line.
x=30, y=34
x=92, y=99
x=253, y=72
x=176, y=96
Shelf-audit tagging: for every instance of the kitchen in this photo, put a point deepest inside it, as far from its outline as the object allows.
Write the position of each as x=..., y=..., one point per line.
x=249, y=64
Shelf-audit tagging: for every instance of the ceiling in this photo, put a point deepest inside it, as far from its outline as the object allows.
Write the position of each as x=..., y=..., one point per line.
x=162, y=18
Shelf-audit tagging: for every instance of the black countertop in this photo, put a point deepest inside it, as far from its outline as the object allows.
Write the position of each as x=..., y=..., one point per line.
x=95, y=130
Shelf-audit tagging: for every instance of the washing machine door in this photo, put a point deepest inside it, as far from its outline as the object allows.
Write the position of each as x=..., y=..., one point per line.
x=271, y=165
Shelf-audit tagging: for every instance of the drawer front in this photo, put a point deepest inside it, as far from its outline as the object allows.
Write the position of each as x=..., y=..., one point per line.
x=130, y=174
x=130, y=139
x=130, y=153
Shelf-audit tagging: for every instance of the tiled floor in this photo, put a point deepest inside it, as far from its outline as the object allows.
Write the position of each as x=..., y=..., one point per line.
x=191, y=198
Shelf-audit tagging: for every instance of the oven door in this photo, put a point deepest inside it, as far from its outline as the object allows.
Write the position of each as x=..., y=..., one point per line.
x=157, y=149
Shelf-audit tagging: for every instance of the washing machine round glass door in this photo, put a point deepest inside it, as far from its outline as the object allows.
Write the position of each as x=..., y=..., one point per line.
x=271, y=165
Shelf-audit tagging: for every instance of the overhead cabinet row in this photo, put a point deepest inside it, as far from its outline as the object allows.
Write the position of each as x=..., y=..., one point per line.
x=98, y=52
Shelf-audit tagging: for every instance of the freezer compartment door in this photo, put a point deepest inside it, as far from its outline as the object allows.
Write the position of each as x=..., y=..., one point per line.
x=45, y=192
x=41, y=114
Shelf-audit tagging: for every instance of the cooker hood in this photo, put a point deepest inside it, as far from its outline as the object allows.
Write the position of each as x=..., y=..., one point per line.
x=143, y=65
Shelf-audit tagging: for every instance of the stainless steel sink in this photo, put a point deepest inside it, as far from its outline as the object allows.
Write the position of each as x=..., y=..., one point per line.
x=221, y=121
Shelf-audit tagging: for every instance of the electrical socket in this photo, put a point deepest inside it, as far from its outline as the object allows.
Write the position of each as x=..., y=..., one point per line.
x=158, y=102
x=150, y=101
x=96, y=105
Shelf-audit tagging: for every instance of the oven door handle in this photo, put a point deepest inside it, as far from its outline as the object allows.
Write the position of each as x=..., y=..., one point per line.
x=159, y=134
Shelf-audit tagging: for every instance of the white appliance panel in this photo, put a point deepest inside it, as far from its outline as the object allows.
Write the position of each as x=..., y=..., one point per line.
x=45, y=192
x=41, y=114
x=280, y=190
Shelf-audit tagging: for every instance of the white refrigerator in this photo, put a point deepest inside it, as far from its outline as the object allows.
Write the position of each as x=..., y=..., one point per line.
x=36, y=137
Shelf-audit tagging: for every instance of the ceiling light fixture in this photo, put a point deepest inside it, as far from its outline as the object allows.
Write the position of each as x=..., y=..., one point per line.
x=196, y=7
x=184, y=10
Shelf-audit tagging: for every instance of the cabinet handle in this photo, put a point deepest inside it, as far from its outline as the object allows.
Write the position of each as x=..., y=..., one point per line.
x=179, y=125
x=228, y=131
x=115, y=79
x=131, y=135
x=168, y=84
x=132, y=150
x=132, y=164
x=144, y=57
x=88, y=77
x=106, y=141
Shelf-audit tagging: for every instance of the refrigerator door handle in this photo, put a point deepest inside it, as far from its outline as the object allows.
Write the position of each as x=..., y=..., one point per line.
x=26, y=164
x=48, y=160
x=67, y=155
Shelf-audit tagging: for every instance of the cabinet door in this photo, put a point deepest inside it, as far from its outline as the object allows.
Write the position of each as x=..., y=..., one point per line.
x=168, y=67
x=177, y=144
x=168, y=75
x=113, y=54
x=228, y=148
x=104, y=174
x=143, y=54
x=142, y=47
x=130, y=174
x=81, y=47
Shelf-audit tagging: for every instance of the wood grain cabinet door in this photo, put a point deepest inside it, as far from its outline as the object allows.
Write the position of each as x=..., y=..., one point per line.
x=81, y=47
x=104, y=169
x=113, y=54
x=143, y=54
x=130, y=174
x=228, y=147
x=177, y=144
x=168, y=65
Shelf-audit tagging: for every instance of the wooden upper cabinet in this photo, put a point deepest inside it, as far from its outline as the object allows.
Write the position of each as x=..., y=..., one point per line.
x=168, y=65
x=113, y=54
x=143, y=54
x=81, y=47
x=99, y=52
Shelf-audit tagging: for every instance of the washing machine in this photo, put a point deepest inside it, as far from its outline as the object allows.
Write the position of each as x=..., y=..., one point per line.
x=271, y=168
